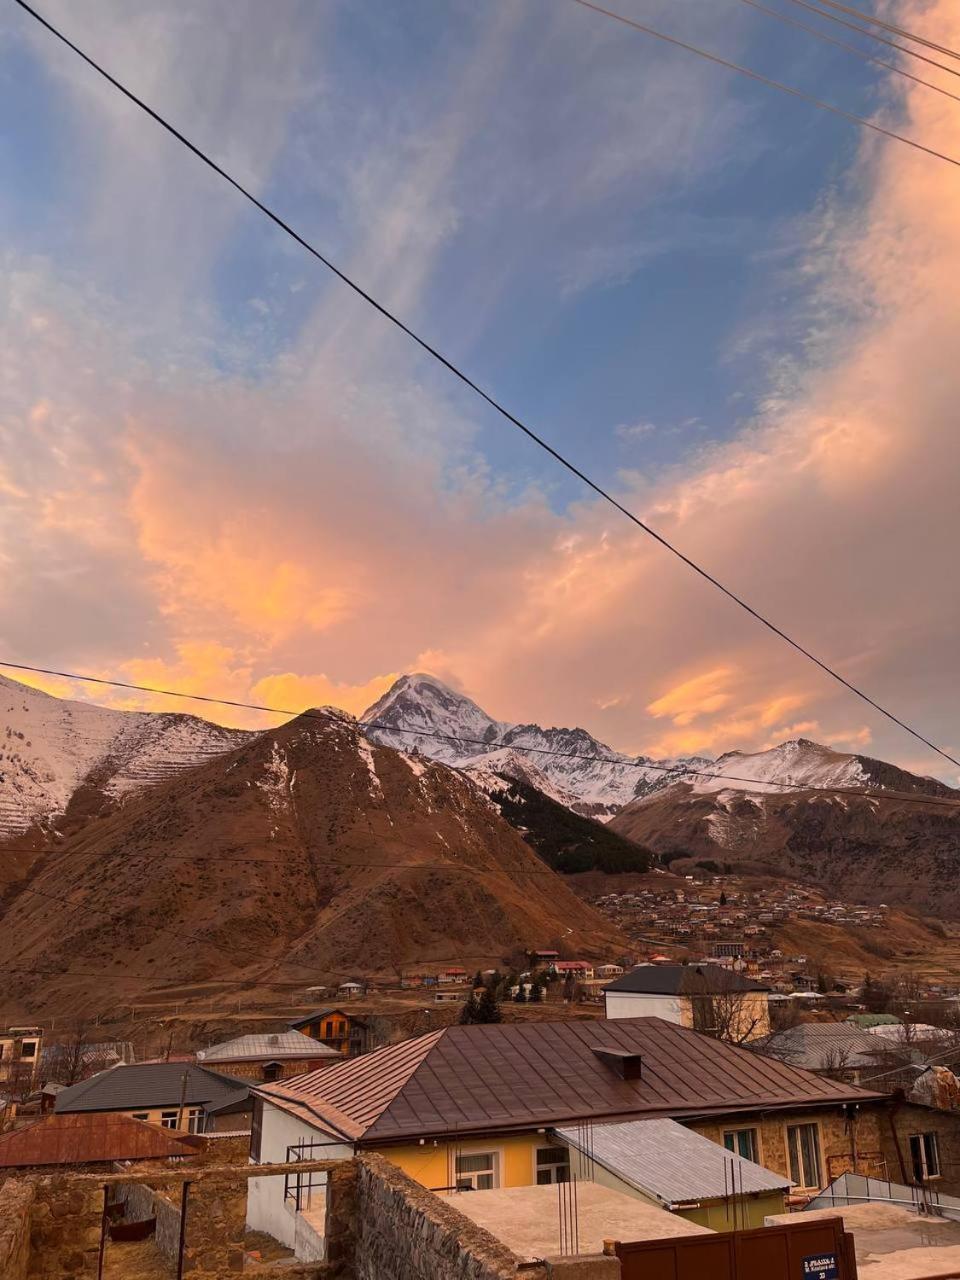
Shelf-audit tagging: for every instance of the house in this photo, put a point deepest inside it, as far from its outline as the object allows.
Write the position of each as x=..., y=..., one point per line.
x=706, y=997
x=350, y=990
x=453, y=974
x=609, y=970
x=74, y=1061
x=835, y=1047
x=172, y=1095
x=268, y=1057
x=90, y=1138
x=342, y=1031
x=578, y=969
x=482, y=1107
x=20, y=1056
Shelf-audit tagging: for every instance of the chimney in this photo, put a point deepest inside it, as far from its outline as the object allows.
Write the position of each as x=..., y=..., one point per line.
x=621, y=1061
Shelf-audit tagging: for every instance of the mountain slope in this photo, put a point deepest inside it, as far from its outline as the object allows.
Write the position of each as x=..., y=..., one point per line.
x=897, y=849
x=162, y=886
x=556, y=761
x=62, y=761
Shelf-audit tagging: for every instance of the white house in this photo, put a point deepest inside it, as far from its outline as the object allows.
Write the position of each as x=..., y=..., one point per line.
x=687, y=995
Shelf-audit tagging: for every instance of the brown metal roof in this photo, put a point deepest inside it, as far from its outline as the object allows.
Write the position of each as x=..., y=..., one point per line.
x=518, y=1075
x=89, y=1138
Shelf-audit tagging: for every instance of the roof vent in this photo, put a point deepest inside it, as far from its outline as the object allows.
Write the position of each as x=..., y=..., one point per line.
x=273, y=1039
x=626, y=1064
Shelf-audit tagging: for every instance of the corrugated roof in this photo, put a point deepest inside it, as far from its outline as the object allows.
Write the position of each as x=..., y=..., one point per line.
x=146, y=1085
x=89, y=1139
x=669, y=1162
x=821, y=1045
x=682, y=979
x=282, y=1044
x=492, y=1078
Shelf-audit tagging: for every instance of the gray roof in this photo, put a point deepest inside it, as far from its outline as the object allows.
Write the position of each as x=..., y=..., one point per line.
x=150, y=1084
x=682, y=979
x=668, y=1162
x=280, y=1044
x=821, y=1046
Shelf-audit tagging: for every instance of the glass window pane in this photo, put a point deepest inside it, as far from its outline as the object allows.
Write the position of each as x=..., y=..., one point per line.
x=475, y=1164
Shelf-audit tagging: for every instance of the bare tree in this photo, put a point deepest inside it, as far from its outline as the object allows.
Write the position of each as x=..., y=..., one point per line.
x=722, y=1008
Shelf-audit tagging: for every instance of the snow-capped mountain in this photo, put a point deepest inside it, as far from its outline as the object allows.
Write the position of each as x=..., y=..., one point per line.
x=568, y=765
x=58, y=756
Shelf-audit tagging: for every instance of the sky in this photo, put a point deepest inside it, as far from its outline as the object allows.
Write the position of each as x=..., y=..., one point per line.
x=222, y=472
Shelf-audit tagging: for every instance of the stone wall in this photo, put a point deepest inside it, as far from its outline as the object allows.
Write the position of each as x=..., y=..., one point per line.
x=216, y=1212
x=141, y=1202
x=907, y=1119
x=65, y=1228
x=16, y=1202
x=841, y=1138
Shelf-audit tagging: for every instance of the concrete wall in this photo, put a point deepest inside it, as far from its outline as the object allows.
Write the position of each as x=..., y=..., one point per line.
x=267, y=1210
x=630, y=1004
x=142, y=1202
x=16, y=1202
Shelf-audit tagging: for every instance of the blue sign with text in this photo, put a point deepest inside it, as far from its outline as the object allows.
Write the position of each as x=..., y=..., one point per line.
x=820, y=1266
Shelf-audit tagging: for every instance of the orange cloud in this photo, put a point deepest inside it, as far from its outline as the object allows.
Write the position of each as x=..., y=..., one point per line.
x=699, y=696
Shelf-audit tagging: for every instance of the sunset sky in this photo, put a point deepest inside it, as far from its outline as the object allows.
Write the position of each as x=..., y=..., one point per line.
x=223, y=473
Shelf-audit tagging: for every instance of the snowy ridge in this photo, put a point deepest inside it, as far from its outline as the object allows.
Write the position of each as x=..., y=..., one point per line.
x=549, y=759
x=793, y=764
x=50, y=748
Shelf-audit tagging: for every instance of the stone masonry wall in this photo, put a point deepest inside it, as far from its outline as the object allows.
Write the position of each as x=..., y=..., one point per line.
x=404, y=1232
x=16, y=1201
x=65, y=1229
x=907, y=1119
x=141, y=1202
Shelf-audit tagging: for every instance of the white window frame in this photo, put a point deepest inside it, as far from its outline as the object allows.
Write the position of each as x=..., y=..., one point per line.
x=165, y=1117
x=755, y=1142
x=195, y=1120
x=790, y=1129
x=472, y=1175
x=922, y=1139
x=550, y=1166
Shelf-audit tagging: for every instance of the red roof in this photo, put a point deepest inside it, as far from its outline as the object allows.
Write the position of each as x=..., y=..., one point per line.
x=464, y=1079
x=90, y=1137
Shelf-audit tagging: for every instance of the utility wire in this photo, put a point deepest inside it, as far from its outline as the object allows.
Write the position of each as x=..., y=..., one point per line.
x=889, y=26
x=874, y=35
x=849, y=48
x=486, y=744
x=488, y=397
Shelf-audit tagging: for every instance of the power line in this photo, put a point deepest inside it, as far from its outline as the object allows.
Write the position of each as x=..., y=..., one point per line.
x=849, y=48
x=488, y=397
x=486, y=744
x=889, y=26
x=875, y=35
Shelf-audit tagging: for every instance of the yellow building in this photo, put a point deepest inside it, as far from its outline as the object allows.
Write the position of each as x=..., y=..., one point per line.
x=20, y=1054
x=618, y=1102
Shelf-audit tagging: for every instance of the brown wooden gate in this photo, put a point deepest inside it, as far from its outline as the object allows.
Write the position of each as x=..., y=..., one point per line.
x=815, y=1249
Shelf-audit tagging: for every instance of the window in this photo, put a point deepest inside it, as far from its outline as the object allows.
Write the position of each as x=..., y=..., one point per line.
x=140, y=1115
x=168, y=1119
x=271, y=1071
x=195, y=1120
x=28, y=1049
x=553, y=1165
x=803, y=1147
x=478, y=1172
x=925, y=1156
x=743, y=1142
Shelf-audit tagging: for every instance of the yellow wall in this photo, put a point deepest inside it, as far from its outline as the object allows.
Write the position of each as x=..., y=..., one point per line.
x=433, y=1166
x=152, y=1116
x=748, y=1212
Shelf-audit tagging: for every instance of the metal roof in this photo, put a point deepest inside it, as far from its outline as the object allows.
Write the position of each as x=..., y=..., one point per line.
x=494, y=1078
x=282, y=1044
x=669, y=1162
x=89, y=1139
x=682, y=979
x=149, y=1084
x=821, y=1045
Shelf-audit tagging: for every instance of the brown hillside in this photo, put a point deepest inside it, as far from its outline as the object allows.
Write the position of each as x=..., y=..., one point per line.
x=895, y=850
x=160, y=887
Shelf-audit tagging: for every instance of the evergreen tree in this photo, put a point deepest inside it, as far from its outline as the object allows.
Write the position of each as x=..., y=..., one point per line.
x=521, y=996
x=723, y=898
x=536, y=991
x=488, y=1007
x=477, y=980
